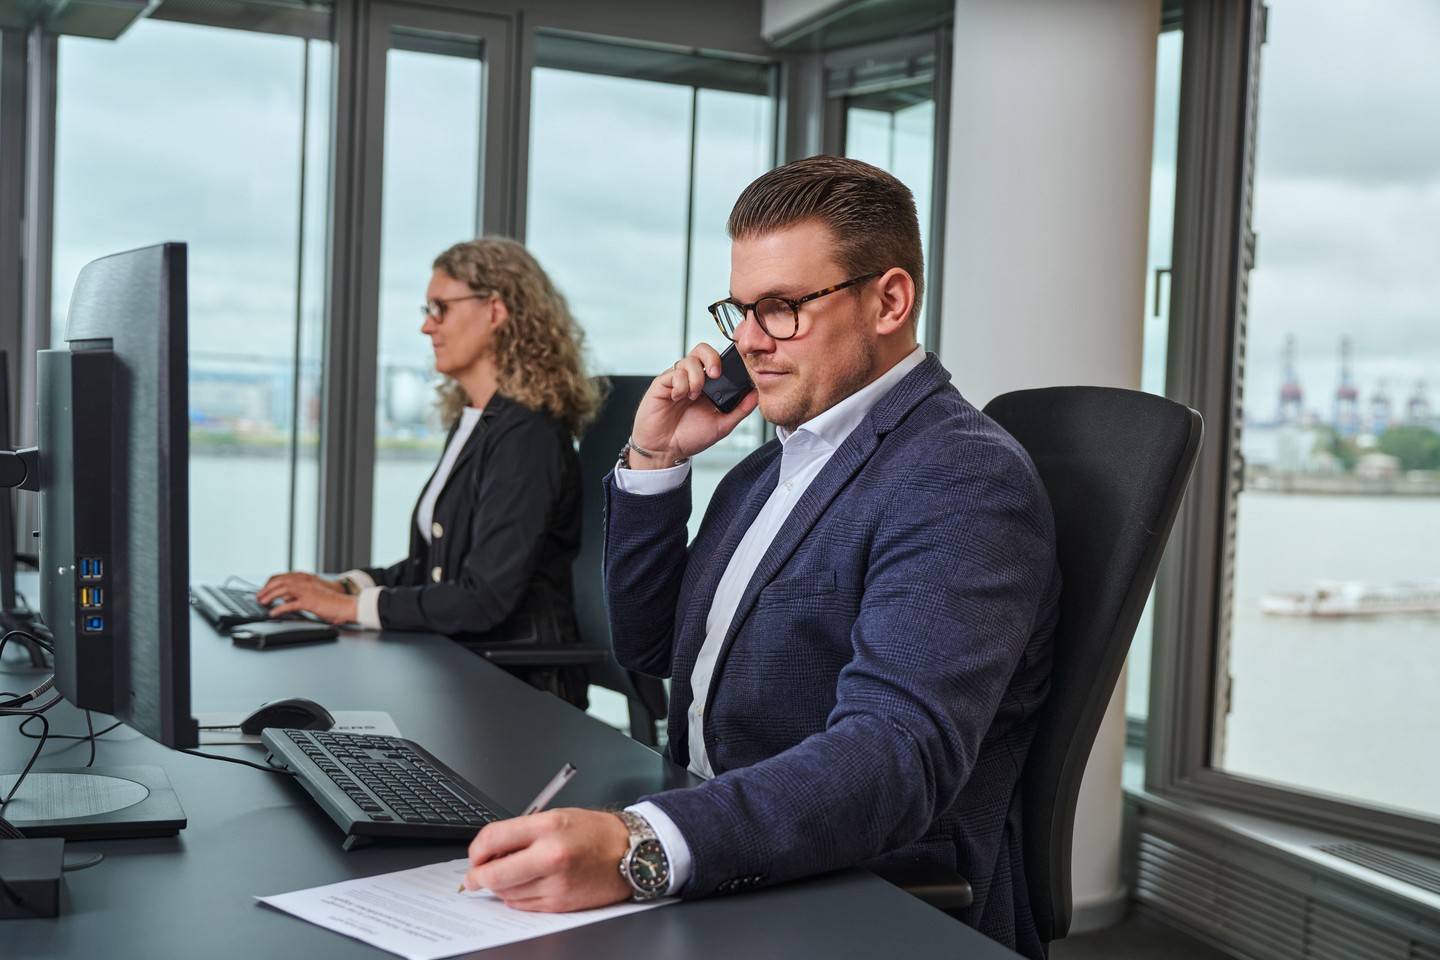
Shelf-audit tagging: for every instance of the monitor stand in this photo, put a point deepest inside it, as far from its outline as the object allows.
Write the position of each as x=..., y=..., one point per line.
x=94, y=803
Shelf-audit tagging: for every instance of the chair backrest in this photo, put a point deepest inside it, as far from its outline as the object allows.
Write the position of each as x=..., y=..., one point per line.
x=1115, y=464
x=599, y=449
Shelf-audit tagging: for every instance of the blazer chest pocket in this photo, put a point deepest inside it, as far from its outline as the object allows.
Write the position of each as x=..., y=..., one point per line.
x=806, y=586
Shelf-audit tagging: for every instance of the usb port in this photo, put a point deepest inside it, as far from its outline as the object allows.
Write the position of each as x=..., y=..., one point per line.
x=91, y=568
x=94, y=623
x=91, y=598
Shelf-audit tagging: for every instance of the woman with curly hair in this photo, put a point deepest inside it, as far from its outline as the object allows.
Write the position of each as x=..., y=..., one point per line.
x=496, y=528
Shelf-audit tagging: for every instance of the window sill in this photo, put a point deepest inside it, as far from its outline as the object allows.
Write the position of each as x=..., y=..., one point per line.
x=1266, y=887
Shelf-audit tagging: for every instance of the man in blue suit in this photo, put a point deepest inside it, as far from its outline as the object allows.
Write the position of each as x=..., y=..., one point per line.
x=858, y=637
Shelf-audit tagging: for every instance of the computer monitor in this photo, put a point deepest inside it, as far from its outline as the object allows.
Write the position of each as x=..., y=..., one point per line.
x=113, y=468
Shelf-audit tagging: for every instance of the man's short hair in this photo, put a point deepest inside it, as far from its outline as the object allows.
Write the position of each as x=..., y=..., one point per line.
x=868, y=211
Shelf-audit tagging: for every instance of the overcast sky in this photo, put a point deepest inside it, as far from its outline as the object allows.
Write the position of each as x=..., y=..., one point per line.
x=1347, y=200
x=198, y=139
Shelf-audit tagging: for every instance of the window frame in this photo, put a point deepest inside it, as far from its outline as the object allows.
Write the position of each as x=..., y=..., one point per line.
x=816, y=123
x=1213, y=251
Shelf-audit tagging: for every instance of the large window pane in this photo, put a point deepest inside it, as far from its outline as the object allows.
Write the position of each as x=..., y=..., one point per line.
x=1330, y=691
x=433, y=114
x=608, y=212
x=179, y=132
x=635, y=234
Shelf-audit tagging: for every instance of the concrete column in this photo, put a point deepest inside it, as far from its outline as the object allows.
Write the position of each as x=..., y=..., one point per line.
x=1045, y=251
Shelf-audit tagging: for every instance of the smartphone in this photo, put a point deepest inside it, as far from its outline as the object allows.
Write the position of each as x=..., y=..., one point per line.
x=268, y=634
x=728, y=389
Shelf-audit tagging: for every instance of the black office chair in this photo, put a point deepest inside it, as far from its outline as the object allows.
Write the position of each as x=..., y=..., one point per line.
x=599, y=450
x=1115, y=464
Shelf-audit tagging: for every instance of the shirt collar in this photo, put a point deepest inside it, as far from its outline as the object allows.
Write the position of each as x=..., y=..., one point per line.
x=837, y=423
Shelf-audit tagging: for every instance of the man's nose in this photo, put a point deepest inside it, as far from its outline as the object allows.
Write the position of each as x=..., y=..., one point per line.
x=750, y=337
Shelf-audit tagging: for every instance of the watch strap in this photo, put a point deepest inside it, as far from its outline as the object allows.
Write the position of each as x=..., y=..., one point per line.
x=640, y=833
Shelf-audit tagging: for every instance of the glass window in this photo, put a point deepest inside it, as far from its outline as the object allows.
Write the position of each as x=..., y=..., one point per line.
x=1335, y=617
x=433, y=113
x=885, y=92
x=1157, y=307
x=632, y=226
x=896, y=132
x=208, y=136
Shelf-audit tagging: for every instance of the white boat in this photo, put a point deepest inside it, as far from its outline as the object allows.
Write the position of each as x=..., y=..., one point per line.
x=1354, y=598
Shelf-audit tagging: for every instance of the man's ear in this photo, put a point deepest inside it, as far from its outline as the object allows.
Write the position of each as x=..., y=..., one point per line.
x=897, y=298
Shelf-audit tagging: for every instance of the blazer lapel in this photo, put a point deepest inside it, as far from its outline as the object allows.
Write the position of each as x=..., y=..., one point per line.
x=691, y=634
x=476, y=438
x=847, y=461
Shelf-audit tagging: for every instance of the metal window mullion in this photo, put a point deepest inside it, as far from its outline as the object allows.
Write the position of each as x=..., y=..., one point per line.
x=345, y=443
x=43, y=57
x=1207, y=209
x=297, y=341
x=689, y=254
x=12, y=203
x=940, y=165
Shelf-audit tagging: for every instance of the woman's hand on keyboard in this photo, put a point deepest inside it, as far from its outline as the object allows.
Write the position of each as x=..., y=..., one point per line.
x=305, y=592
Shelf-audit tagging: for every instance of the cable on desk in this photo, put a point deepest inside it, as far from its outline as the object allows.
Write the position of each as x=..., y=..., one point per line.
x=92, y=736
x=244, y=763
x=14, y=706
x=33, y=635
x=5, y=801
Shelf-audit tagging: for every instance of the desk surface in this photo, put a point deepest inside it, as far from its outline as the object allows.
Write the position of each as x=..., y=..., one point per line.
x=251, y=833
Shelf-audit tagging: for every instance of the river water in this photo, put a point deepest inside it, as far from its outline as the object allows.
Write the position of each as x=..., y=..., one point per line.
x=1349, y=706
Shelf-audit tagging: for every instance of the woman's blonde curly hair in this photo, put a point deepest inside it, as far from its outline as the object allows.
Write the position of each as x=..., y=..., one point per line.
x=539, y=351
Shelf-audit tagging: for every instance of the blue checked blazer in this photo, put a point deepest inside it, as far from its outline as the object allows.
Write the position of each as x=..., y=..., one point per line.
x=876, y=691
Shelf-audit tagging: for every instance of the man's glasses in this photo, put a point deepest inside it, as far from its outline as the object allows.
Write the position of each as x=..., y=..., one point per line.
x=777, y=316
x=435, y=309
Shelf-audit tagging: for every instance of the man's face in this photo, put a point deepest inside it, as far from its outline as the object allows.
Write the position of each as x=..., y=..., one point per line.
x=833, y=352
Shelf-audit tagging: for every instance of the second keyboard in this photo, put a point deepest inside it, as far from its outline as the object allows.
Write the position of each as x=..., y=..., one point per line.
x=381, y=786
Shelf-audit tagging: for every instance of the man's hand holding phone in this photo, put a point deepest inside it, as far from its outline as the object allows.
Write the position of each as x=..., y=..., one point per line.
x=680, y=417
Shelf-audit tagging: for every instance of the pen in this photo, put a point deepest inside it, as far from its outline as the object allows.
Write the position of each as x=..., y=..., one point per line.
x=546, y=794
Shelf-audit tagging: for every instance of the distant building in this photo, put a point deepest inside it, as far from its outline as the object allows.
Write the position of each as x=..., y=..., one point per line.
x=1377, y=466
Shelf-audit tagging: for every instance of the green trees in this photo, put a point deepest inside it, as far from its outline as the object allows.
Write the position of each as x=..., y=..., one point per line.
x=1417, y=447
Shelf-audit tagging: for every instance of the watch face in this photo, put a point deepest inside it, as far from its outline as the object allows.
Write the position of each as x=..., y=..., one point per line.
x=649, y=870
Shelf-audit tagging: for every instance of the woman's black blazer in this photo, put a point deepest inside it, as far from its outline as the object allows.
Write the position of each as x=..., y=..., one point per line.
x=506, y=529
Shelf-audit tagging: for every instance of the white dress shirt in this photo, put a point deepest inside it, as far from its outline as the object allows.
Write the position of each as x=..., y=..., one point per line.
x=805, y=451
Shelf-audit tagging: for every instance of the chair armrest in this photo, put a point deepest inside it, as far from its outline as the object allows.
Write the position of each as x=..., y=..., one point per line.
x=943, y=889
x=537, y=654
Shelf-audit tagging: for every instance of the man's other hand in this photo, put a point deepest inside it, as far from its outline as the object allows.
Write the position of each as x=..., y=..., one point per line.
x=552, y=862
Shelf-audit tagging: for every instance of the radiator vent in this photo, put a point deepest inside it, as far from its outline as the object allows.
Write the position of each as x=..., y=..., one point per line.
x=1392, y=865
x=1267, y=909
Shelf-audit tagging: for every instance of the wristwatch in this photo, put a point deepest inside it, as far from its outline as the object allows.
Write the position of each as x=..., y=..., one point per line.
x=644, y=866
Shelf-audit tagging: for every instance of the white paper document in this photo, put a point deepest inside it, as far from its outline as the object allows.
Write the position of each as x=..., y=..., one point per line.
x=418, y=915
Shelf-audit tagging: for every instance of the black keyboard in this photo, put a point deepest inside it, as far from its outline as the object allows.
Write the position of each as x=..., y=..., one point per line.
x=228, y=607
x=378, y=786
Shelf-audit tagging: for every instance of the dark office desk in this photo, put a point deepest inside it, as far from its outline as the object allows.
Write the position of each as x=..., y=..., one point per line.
x=254, y=833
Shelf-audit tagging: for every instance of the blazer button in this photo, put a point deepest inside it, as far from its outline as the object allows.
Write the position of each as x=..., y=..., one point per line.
x=436, y=530
x=437, y=574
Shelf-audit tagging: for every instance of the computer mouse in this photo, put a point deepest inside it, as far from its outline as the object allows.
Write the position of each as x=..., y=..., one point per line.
x=295, y=713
